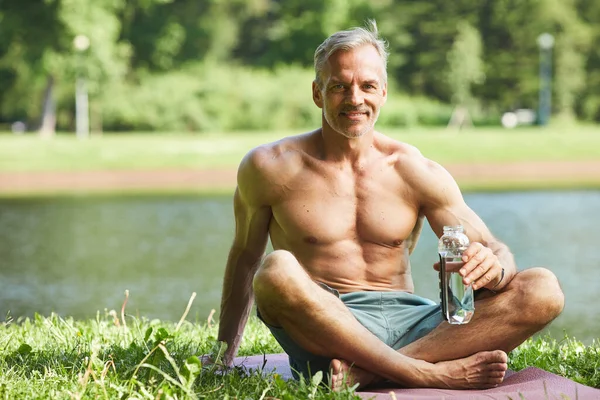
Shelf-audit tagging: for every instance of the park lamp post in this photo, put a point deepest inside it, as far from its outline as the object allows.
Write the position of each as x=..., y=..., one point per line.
x=545, y=41
x=81, y=44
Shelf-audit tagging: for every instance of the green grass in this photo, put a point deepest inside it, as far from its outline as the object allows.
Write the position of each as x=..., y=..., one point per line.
x=115, y=357
x=156, y=151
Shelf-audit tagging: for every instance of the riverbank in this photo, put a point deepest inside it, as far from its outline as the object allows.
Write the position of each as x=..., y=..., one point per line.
x=482, y=159
x=118, y=356
x=471, y=177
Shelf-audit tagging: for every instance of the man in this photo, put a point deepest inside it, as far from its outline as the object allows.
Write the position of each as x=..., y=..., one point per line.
x=344, y=206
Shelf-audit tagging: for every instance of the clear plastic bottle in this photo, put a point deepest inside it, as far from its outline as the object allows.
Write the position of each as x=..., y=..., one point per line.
x=458, y=304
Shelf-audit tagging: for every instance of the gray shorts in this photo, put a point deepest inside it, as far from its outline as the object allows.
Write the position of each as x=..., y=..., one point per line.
x=396, y=318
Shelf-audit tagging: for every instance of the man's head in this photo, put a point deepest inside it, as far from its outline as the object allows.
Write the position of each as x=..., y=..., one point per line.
x=348, y=40
x=351, y=80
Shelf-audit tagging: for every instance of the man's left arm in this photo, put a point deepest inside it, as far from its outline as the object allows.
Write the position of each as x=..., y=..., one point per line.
x=489, y=263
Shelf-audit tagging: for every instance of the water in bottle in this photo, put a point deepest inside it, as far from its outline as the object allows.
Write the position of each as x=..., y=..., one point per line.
x=458, y=304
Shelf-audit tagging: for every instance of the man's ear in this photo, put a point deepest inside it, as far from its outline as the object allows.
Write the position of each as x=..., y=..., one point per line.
x=384, y=93
x=317, y=95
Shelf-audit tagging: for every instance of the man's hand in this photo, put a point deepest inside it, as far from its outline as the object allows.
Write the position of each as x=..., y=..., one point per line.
x=217, y=358
x=482, y=267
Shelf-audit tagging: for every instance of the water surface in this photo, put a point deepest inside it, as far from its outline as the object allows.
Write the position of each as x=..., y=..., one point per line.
x=77, y=256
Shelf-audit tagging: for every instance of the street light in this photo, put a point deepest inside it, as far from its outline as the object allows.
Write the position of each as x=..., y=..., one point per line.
x=81, y=44
x=545, y=41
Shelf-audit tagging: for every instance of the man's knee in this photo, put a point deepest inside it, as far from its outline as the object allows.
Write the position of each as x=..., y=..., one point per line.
x=278, y=270
x=539, y=295
x=279, y=285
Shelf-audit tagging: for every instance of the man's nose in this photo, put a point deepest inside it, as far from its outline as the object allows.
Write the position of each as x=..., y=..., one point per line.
x=354, y=95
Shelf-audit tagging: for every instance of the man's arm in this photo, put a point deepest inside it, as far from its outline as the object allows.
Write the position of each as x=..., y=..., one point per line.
x=252, y=217
x=488, y=262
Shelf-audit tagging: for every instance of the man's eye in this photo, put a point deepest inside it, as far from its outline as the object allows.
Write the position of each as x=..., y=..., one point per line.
x=339, y=86
x=370, y=87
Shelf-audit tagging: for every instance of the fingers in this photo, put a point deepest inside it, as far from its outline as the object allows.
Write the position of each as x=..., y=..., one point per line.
x=450, y=266
x=481, y=266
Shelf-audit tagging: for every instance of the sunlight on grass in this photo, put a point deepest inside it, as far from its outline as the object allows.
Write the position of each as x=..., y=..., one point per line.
x=119, y=356
x=124, y=151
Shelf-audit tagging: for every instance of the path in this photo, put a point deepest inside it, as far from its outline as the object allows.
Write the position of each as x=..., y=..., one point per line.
x=587, y=172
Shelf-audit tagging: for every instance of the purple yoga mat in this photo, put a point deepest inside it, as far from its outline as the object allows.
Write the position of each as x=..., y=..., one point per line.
x=529, y=384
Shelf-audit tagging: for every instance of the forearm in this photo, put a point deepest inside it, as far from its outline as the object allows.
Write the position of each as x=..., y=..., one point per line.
x=236, y=300
x=507, y=261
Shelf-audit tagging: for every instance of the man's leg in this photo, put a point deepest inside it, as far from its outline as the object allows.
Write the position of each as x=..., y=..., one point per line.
x=502, y=321
x=319, y=322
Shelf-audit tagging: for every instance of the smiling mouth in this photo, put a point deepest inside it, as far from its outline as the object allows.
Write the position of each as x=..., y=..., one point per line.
x=353, y=114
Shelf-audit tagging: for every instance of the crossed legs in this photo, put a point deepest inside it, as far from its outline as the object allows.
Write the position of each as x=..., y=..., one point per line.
x=467, y=356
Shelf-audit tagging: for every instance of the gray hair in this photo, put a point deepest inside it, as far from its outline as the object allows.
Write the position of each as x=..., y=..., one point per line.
x=348, y=40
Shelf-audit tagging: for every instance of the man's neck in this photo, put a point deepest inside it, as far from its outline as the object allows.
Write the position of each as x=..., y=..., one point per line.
x=337, y=147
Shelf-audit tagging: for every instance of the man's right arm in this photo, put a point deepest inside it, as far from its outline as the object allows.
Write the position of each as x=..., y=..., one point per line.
x=252, y=216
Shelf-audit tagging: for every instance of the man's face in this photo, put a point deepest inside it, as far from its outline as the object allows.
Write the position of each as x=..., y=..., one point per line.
x=353, y=91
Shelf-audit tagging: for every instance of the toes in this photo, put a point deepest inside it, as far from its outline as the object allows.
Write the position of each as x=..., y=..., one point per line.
x=497, y=367
x=496, y=374
x=499, y=356
x=338, y=370
x=495, y=381
x=492, y=357
x=335, y=366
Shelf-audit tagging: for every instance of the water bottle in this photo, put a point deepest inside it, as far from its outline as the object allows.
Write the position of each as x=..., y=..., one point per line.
x=458, y=304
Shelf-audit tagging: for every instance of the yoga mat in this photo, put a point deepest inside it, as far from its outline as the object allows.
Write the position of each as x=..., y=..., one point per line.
x=529, y=384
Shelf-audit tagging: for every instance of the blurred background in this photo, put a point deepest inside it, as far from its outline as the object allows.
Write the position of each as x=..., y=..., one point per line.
x=122, y=124
x=185, y=64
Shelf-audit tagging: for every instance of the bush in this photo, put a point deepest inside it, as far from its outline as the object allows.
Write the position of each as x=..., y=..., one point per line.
x=214, y=98
x=208, y=97
x=404, y=111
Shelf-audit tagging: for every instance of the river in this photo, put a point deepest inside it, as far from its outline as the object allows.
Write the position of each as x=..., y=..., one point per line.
x=77, y=256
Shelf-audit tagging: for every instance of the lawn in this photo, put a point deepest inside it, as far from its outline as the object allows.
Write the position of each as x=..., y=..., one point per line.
x=122, y=357
x=126, y=151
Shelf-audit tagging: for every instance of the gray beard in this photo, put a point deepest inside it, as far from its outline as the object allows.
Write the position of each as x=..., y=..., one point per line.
x=352, y=136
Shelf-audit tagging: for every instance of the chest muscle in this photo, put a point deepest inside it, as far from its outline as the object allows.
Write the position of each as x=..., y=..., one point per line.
x=330, y=208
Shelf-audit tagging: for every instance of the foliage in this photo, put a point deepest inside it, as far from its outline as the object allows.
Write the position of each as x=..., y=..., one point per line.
x=465, y=66
x=145, y=53
x=117, y=356
x=207, y=97
x=406, y=111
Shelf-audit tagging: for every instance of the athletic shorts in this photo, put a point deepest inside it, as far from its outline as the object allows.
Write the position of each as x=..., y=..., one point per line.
x=396, y=318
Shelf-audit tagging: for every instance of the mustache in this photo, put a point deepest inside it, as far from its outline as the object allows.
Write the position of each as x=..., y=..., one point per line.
x=355, y=109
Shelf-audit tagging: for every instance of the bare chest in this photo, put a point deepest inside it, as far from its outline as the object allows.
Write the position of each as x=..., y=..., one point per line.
x=326, y=207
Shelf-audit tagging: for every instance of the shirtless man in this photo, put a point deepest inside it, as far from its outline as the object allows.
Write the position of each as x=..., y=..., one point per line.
x=344, y=206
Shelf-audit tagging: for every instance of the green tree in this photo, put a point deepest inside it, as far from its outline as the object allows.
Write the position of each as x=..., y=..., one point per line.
x=27, y=31
x=572, y=44
x=465, y=68
x=589, y=101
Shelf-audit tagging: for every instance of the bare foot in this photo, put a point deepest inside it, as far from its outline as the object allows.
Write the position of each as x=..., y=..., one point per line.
x=483, y=370
x=343, y=373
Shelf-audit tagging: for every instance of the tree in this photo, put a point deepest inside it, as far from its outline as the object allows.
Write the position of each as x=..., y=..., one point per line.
x=572, y=44
x=589, y=101
x=465, y=68
x=27, y=30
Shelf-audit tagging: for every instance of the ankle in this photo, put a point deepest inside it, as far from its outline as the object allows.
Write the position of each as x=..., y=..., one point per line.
x=428, y=374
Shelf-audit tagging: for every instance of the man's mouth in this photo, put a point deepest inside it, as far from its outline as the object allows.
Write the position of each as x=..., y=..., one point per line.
x=353, y=114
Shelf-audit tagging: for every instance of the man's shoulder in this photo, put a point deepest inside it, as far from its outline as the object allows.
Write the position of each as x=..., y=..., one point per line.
x=406, y=155
x=415, y=169
x=269, y=166
x=275, y=157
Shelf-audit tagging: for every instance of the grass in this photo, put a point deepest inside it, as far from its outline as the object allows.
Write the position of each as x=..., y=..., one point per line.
x=117, y=356
x=180, y=151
